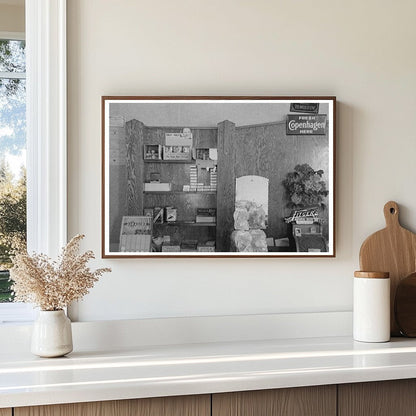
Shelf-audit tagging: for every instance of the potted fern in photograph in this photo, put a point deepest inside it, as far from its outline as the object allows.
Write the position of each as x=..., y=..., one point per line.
x=305, y=188
x=52, y=286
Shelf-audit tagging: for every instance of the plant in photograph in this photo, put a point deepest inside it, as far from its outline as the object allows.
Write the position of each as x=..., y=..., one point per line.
x=53, y=285
x=305, y=187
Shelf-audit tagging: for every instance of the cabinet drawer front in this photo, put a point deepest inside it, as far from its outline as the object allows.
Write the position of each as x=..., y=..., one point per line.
x=381, y=398
x=164, y=406
x=301, y=401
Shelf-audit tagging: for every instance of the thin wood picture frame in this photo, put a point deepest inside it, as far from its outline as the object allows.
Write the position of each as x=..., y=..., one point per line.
x=220, y=176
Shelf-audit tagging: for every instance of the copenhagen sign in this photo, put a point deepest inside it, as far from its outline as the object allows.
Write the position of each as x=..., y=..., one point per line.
x=306, y=124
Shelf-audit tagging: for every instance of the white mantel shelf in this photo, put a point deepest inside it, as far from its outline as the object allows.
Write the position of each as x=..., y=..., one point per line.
x=151, y=371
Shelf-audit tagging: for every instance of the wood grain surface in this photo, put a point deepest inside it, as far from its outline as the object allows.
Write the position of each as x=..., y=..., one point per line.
x=117, y=180
x=5, y=412
x=405, y=306
x=382, y=398
x=392, y=250
x=164, y=406
x=134, y=143
x=263, y=150
x=226, y=185
x=301, y=401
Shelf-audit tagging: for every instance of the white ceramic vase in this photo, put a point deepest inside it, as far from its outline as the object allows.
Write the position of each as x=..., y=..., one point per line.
x=52, y=334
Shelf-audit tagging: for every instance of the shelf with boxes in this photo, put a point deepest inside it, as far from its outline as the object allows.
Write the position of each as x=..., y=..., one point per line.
x=179, y=188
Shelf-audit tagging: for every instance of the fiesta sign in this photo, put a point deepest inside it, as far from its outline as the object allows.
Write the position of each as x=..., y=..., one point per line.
x=306, y=124
x=303, y=214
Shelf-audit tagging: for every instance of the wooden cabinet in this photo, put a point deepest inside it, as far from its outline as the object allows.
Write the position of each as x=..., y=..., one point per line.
x=161, y=406
x=381, y=398
x=300, y=401
x=386, y=398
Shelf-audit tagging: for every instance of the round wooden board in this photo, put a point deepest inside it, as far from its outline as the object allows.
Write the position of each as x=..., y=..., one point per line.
x=405, y=306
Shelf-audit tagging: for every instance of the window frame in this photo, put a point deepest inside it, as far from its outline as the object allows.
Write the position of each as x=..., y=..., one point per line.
x=14, y=312
x=46, y=122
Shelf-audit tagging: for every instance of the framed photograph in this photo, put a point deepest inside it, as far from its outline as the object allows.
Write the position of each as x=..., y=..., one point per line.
x=218, y=177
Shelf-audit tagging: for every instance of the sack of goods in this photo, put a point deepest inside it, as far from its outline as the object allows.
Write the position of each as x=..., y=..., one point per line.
x=249, y=216
x=252, y=241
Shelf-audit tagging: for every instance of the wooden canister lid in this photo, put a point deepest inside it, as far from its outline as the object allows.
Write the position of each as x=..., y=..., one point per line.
x=372, y=275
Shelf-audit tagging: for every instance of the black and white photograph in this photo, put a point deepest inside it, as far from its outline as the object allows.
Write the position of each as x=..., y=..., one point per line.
x=218, y=176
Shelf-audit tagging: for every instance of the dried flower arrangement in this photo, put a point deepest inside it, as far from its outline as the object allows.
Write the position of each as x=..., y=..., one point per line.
x=53, y=285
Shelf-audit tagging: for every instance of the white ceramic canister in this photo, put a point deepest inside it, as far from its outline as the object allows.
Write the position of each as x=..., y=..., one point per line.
x=371, y=310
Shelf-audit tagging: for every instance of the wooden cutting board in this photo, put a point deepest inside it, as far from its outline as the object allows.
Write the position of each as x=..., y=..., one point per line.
x=392, y=250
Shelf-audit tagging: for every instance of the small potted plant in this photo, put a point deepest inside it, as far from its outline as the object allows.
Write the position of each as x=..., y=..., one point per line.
x=305, y=188
x=52, y=286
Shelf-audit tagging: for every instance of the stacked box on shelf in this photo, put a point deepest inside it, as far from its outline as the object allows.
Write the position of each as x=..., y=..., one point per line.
x=176, y=152
x=171, y=214
x=213, y=179
x=204, y=188
x=193, y=177
x=208, y=247
x=136, y=234
x=152, y=152
x=202, y=154
x=206, y=215
x=179, y=139
x=158, y=215
x=157, y=187
x=170, y=248
x=200, y=187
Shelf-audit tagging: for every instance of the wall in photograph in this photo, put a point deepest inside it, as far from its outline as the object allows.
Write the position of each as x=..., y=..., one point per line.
x=264, y=150
x=362, y=52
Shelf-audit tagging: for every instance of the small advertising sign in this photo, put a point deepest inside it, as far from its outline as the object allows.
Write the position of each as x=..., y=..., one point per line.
x=306, y=125
x=312, y=108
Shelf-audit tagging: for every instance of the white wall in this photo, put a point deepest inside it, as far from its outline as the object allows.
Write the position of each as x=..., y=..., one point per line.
x=361, y=51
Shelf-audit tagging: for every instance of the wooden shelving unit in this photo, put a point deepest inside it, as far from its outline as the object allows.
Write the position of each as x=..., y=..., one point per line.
x=176, y=172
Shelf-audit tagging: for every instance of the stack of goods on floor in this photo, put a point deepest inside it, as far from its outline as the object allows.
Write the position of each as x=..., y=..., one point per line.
x=249, y=222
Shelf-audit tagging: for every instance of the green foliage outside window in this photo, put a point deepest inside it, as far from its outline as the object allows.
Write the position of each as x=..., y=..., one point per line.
x=12, y=145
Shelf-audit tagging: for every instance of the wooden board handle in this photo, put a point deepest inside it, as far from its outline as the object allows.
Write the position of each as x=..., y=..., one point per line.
x=391, y=214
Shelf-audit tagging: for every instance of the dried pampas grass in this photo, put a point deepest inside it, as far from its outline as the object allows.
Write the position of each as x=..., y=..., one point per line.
x=53, y=285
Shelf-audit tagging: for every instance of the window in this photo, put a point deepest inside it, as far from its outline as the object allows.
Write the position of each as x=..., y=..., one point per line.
x=12, y=155
x=12, y=164
x=46, y=133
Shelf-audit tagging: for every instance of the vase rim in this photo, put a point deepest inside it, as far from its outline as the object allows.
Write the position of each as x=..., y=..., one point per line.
x=57, y=311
